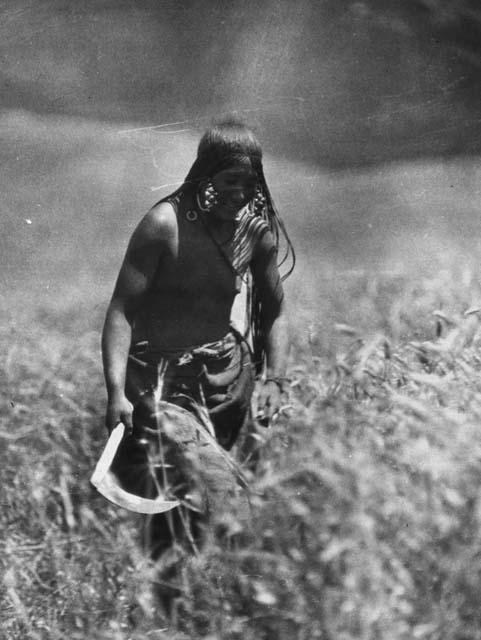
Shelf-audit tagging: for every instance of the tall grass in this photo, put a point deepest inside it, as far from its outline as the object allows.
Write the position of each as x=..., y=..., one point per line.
x=365, y=511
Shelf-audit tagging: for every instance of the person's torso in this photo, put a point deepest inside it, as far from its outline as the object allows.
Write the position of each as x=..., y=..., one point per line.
x=197, y=279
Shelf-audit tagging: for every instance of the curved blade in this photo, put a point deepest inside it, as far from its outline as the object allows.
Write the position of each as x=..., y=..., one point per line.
x=107, y=484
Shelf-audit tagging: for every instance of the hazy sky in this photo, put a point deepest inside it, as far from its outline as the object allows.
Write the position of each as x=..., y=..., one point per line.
x=326, y=83
x=336, y=82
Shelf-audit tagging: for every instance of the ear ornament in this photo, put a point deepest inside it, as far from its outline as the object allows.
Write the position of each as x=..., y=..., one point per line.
x=191, y=215
x=206, y=196
x=260, y=201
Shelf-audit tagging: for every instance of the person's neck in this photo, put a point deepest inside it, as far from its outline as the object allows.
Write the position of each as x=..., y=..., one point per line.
x=219, y=223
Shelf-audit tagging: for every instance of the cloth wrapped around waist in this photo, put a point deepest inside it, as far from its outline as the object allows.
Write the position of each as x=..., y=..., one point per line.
x=217, y=377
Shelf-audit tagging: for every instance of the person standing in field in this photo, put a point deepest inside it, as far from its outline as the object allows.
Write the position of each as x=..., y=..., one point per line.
x=168, y=333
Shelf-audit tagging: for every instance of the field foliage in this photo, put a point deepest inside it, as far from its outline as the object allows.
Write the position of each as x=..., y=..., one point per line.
x=365, y=506
x=365, y=509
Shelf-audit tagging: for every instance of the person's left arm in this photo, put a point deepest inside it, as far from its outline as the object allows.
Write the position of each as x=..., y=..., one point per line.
x=273, y=322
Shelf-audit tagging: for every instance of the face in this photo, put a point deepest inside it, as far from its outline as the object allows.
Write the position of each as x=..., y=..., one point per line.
x=235, y=187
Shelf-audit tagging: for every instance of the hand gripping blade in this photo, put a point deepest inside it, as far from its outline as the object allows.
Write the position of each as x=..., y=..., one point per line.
x=106, y=483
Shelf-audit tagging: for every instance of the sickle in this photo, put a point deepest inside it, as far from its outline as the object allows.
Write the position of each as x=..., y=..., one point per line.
x=106, y=483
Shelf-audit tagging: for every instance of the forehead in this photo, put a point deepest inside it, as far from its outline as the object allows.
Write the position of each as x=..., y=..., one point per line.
x=241, y=172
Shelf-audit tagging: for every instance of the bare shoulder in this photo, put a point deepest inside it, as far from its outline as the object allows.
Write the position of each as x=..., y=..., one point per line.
x=158, y=226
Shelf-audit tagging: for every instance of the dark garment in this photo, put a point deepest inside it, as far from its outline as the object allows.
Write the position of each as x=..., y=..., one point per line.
x=217, y=375
x=172, y=452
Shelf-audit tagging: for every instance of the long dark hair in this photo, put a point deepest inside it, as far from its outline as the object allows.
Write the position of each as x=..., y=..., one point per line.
x=231, y=142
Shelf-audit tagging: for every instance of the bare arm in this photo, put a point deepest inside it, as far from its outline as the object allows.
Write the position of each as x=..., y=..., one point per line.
x=274, y=322
x=135, y=277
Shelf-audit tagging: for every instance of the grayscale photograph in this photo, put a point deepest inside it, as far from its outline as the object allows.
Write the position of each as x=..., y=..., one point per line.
x=240, y=319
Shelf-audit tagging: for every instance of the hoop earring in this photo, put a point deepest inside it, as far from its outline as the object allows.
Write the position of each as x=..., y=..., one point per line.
x=206, y=196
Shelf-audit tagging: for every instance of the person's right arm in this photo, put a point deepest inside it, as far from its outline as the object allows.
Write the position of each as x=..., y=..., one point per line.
x=139, y=266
